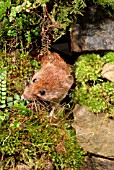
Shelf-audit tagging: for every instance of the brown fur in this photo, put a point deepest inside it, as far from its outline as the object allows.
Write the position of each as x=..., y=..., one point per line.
x=54, y=78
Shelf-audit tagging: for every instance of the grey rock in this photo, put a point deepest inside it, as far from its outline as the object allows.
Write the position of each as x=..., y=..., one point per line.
x=108, y=72
x=97, y=163
x=93, y=132
x=93, y=31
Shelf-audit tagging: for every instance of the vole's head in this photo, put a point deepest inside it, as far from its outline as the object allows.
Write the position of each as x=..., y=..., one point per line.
x=48, y=84
x=38, y=88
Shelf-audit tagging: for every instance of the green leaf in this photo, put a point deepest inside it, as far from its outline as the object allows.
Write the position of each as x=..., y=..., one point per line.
x=2, y=106
x=16, y=124
x=3, y=101
x=9, y=99
x=10, y=104
x=16, y=96
x=4, y=89
x=3, y=93
x=1, y=118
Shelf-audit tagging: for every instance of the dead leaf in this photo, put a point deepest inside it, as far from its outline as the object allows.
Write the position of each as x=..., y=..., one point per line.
x=108, y=72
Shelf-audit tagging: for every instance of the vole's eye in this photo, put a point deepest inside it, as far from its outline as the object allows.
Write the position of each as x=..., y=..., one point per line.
x=42, y=92
x=34, y=80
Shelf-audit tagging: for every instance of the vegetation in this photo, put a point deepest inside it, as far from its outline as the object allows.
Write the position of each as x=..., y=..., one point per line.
x=104, y=3
x=28, y=137
x=15, y=70
x=32, y=24
x=26, y=134
x=92, y=91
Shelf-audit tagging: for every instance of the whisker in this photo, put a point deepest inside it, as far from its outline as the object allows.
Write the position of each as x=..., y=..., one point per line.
x=35, y=106
x=54, y=102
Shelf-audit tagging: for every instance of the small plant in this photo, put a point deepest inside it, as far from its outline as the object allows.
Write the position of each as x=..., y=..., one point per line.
x=31, y=22
x=92, y=91
x=3, y=87
x=36, y=23
x=15, y=71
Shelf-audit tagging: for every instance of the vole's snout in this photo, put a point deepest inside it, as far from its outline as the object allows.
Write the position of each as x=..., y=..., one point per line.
x=22, y=97
x=42, y=92
x=27, y=83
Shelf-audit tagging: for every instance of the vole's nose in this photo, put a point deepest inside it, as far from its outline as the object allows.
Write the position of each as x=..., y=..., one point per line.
x=27, y=83
x=22, y=97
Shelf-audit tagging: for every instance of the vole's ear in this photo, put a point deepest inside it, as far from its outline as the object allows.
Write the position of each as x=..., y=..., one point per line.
x=70, y=77
x=69, y=80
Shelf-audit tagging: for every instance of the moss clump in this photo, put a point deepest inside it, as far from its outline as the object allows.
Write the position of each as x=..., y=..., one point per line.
x=92, y=91
x=27, y=137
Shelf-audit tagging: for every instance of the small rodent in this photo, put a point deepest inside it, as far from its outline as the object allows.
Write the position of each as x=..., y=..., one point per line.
x=52, y=82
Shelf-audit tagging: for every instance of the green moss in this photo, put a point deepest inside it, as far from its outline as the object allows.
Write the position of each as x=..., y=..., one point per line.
x=105, y=3
x=88, y=68
x=27, y=136
x=92, y=91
